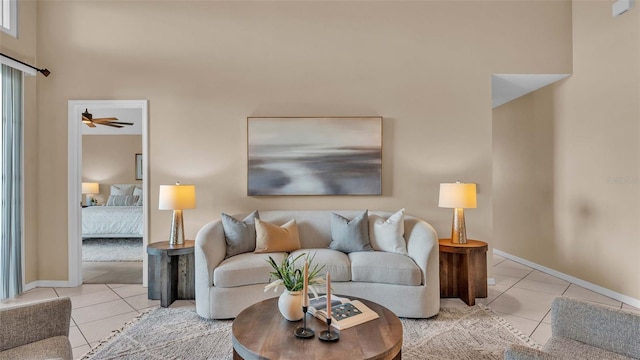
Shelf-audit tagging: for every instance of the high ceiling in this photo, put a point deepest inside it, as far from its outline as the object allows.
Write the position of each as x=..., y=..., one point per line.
x=507, y=87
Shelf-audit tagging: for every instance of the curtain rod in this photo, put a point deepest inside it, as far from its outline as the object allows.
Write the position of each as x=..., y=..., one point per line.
x=44, y=72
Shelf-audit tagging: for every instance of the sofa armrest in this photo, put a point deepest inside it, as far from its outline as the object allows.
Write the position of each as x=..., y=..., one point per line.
x=33, y=322
x=596, y=325
x=209, y=251
x=521, y=352
x=423, y=248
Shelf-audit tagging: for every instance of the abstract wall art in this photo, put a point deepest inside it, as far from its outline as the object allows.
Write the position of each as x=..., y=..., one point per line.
x=314, y=155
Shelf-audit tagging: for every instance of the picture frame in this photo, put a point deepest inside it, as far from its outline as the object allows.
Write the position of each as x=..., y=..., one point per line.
x=339, y=155
x=138, y=166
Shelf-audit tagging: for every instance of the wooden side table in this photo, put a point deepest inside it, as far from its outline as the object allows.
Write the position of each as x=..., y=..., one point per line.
x=463, y=270
x=171, y=272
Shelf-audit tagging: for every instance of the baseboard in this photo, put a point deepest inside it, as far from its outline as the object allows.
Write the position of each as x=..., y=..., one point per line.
x=46, y=283
x=574, y=280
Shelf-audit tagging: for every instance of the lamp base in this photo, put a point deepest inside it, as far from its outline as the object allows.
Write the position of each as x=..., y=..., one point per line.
x=458, y=227
x=176, y=237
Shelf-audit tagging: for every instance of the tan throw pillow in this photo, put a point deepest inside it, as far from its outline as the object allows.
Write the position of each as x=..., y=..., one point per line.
x=274, y=238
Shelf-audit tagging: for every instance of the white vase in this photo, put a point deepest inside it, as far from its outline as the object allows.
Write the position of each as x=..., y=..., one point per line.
x=290, y=305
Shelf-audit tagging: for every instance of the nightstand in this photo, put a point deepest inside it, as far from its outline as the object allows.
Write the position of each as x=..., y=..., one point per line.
x=171, y=272
x=463, y=270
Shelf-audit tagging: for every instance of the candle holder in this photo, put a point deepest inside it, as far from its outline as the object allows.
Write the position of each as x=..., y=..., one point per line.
x=304, y=332
x=329, y=335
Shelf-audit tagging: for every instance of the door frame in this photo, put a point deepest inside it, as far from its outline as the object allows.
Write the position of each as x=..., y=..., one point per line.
x=74, y=167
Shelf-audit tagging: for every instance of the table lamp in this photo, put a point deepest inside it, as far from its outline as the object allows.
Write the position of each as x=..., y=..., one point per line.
x=90, y=189
x=177, y=198
x=458, y=196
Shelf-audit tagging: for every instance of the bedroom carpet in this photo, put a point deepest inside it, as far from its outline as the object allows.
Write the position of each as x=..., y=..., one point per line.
x=112, y=249
x=121, y=272
x=173, y=333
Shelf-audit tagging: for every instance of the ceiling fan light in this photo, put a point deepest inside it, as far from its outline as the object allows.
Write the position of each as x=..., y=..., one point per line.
x=87, y=114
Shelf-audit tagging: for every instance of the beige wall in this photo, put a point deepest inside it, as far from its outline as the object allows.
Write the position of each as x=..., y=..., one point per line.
x=588, y=191
x=205, y=66
x=24, y=49
x=523, y=178
x=110, y=159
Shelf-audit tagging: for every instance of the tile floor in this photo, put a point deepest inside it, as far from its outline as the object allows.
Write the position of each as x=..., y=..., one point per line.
x=521, y=295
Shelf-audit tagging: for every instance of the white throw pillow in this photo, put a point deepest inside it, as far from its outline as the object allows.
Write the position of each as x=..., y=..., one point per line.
x=121, y=190
x=388, y=234
x=122, y=200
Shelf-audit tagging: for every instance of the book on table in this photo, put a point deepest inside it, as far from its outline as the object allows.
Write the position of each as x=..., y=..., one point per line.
x=345, y=313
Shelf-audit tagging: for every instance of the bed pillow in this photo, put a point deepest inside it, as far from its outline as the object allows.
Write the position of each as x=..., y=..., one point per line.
x=388, y=234
x=121, y=190
x=138, y=192
x=122, y=200
x=350, y=235
x=273, y=238
x=239, y=235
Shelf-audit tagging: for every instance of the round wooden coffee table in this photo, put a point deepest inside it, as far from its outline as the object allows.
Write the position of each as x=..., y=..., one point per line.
x=260, y=332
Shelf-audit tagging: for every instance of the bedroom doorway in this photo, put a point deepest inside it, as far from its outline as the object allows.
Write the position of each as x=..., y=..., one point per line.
x=108, y=186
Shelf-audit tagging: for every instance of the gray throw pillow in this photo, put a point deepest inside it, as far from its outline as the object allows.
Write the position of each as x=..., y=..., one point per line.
x=350, y=235
x=240, y=235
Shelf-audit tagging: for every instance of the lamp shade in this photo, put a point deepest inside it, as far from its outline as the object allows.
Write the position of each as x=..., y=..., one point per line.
x=457, y=195
x=177, y=197
x=90, y=188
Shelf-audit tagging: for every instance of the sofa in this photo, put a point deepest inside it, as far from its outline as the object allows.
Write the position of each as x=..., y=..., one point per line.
x=407, y=284
x=584, y=330
x=36, y=331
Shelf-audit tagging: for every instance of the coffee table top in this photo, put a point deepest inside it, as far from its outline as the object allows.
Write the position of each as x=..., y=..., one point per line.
x=261, y=332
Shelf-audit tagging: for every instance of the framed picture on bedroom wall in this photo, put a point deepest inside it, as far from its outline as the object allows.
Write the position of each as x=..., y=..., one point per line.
x=138, y=166
x=314, y=155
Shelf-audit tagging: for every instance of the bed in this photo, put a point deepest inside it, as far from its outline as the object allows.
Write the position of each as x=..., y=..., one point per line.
x=121, y=217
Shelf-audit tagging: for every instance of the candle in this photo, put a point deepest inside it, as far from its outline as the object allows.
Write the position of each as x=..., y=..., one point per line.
x=305, y=286
x=328, y=295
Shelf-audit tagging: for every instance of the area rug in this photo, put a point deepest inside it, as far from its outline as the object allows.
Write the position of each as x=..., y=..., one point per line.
x=112, y=249
x=473, y=333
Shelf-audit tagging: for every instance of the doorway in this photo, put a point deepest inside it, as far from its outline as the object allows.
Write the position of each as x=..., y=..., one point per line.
x=106, y=178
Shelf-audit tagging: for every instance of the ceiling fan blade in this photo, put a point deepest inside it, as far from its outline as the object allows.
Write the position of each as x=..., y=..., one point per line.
x=90, y=124
x=111, y=124
x=106, y=119
x=85, y=119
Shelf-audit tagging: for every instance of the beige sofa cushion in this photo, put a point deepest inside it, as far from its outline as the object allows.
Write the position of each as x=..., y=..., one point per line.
x=335, y=262
x=245, y=269
x=383, y=267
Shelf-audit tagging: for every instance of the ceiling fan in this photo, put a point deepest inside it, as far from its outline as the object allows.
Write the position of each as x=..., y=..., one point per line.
x=88, y=119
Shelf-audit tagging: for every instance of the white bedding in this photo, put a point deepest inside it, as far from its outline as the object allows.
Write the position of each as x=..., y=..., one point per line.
x=112, y=221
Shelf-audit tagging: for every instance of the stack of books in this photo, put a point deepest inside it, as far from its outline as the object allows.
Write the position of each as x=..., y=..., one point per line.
x=345, y=313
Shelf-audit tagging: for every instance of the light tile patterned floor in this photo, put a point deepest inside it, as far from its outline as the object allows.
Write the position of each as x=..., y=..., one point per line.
x=521, y=295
